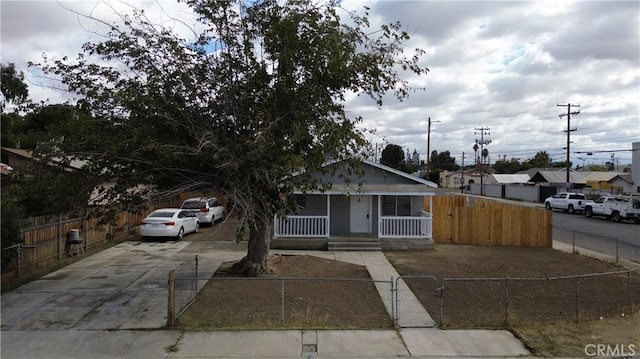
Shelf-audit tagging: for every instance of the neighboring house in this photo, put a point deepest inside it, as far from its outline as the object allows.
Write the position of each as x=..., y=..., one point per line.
x=383, y=209
x=455, y=179
x=558, y=178
x=518, y=178
x=620, y=184
x=17, y=157
x=578, y=179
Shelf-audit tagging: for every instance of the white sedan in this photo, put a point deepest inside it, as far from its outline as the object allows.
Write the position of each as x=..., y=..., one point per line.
x=169, y=222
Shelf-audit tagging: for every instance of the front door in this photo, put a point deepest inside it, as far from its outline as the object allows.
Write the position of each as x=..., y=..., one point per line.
x=360, y=218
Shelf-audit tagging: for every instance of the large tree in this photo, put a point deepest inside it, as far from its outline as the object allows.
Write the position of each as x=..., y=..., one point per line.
x=393, y=156
x=508, y=166
x=12, y=85
x=441, y=162
x=257, y=95
x=14, y=90
x=540, y=160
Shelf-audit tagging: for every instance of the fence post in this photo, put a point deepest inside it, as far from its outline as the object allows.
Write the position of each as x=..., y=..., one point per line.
x=573, y=242
x=85, y=224
x=506, y=301
x=442, y=302
x=394, y=300
x=617, y=243
x=19, y=251
x=171, y=312
x=578, y=299
x=629, y=290
x=282, y=301
x=60, y=246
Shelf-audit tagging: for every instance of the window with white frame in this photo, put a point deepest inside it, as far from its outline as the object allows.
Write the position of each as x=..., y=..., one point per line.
x=396, y=205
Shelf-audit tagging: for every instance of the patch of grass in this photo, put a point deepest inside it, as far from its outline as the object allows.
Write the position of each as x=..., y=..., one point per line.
x=569, y=339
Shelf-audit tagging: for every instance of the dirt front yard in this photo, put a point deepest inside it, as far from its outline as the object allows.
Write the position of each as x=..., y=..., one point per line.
x=543, y=312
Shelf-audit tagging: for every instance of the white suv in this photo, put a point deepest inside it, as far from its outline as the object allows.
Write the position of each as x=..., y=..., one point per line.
x=566, y=201
x=207, y=209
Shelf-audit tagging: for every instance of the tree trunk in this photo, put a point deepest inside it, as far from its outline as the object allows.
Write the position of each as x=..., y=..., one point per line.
x=255, y=262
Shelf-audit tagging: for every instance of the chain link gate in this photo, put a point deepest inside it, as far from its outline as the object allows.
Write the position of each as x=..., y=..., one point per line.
x=419, y=308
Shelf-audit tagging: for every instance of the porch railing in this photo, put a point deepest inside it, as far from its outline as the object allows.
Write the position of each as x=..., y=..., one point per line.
x=301, y=226
x=406, y=227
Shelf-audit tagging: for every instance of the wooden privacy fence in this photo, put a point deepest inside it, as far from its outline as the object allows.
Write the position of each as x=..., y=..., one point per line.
x=44, y=241
x=469, y=220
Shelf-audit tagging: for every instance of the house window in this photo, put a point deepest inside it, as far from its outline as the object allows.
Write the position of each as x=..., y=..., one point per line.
x=300, y=201
x=396, y=205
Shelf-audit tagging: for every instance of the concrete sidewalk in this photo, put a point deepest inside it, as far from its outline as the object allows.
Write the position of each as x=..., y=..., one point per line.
x=113, y=305
x=128, y=344
x=568, y=248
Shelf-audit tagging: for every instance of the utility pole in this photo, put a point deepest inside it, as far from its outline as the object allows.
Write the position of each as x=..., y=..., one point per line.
x=429, y=145
x=482, y=131
x=569, y=130
x=462, y=185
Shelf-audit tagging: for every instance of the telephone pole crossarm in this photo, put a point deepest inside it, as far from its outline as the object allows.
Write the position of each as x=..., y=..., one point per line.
x=569, y=130
x=482, y=131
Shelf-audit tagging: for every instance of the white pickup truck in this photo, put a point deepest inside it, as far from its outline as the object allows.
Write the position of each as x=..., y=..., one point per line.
x=616, y=208
x=566, y=201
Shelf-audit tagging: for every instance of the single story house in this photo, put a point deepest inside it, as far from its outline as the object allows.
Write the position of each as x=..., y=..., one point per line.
x=455, y=179
x=382, y=209
x=517, y=178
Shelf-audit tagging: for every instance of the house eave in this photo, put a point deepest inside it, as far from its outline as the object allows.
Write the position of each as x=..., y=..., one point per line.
x=374, y=189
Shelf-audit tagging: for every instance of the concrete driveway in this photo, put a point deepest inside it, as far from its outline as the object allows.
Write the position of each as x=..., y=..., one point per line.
x=123, y=287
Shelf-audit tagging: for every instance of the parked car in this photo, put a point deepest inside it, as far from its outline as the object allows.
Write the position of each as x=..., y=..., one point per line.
x=207, y=209
x=169, y=222
x=566, y=201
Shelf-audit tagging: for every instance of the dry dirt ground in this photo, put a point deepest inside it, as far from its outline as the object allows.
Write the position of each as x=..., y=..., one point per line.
x=541, y=312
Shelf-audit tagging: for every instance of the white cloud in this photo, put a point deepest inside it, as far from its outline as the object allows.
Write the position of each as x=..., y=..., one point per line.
x=505, y=65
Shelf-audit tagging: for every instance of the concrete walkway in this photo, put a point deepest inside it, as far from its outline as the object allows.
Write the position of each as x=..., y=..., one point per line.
x=108, y=305
x=405, y=306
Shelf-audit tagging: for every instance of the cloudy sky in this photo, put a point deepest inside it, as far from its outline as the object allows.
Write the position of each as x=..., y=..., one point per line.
x=504, y=66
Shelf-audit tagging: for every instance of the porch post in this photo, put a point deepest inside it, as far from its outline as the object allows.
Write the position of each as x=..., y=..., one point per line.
x=328, y=216
x=430, y=234
x=379, y=214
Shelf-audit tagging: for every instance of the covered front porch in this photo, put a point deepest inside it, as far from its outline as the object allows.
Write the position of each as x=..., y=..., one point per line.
x=388, y=217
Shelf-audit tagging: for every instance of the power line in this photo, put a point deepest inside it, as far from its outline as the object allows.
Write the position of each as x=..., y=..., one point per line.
x=605, y=151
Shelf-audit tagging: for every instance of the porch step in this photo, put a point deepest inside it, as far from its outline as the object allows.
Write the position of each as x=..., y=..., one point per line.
x=358, y=245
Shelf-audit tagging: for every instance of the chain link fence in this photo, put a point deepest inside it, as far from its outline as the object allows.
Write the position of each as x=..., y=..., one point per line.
x=607, y=245
x=417, y=301
x=280, y=302
x=502, y=302
x=406, y=301
x=183, y=289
